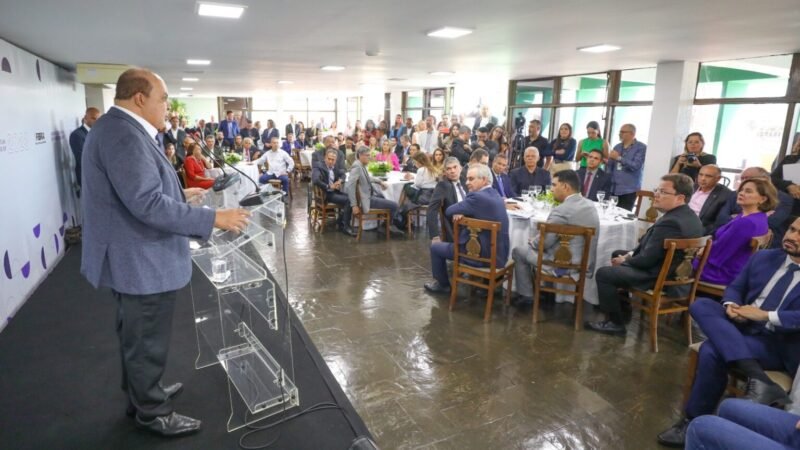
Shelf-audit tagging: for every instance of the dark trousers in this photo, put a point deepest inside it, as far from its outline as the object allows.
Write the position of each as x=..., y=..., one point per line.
x=144, y=327
x=626, y=201
x=611, y=278
x=728, y=342
x=339, y=198
x=440, y=253
x=263, y=179
x=744, y=424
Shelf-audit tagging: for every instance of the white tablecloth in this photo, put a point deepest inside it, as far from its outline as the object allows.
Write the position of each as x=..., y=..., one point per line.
x=305, y=157
x=613, y=235
x=394, y=185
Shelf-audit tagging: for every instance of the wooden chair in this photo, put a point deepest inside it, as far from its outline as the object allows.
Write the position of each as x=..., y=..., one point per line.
x=656, y=302
x=322, y=210
x=562, y=262
x=472, y=275
x=651, y=214
x=415, y=213
x=182, y=174
x=300, y=170
x=782, y=379
x=373, y=214
x=756, y=244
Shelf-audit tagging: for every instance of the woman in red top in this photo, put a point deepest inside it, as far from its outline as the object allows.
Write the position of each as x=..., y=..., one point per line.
x=195, y=166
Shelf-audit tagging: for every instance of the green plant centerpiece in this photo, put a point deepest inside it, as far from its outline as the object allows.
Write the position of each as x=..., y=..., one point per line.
x=547, y=197
x=379, y=168
x=232, y=158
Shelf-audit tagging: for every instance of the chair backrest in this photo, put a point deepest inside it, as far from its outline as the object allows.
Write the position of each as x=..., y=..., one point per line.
x=296, y=158
x=358, y=193
x=651, y=214
x=687, y=272
x=562, y=258
x=182, y=173
x=761, y=242
x=725, y=181
x=473, y=245
x=443, y=224
x=319, y=196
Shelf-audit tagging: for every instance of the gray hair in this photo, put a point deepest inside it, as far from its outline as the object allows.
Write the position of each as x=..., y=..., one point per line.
x=450, y=160
x=464, y=129
x=532, y=150
x=363, y=150
x=247, y=141
x=332, y=151
x=482, y=171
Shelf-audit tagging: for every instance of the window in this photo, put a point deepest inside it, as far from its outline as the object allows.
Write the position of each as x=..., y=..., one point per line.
x=579, y=117
x=637, y=85
x=741, y=135
x=745, y=78
x=353, y=109
x=534, y=92
x=639, y=116
x=584, y=88
x=542, y=114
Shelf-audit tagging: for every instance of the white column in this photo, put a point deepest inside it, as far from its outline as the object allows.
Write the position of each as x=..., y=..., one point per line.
x=671, y=117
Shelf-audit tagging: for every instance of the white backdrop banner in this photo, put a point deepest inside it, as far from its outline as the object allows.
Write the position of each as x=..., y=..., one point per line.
x=41, y=105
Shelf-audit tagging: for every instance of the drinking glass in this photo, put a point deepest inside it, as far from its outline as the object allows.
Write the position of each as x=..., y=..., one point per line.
x=548, y=188
x=613, y=200
x=219, y=270
x=600, y=196
x=536, y=190
x=605, y=205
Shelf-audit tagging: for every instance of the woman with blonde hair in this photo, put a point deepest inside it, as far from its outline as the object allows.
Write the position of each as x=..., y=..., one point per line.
x=421, y=190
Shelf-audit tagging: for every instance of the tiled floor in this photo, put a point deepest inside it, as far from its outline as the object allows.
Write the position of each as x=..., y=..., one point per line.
x=423, y=377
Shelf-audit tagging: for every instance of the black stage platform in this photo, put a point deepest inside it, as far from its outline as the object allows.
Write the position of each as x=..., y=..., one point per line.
x=60, y=374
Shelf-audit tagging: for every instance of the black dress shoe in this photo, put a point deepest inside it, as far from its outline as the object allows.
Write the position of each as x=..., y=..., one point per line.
x=396, y=231
x=521, y=301
x=170, y=425
x=675, y=436
x=436, y=288
x=607, y=327
x=766, y=394
x=172, y=391
x=349, y=231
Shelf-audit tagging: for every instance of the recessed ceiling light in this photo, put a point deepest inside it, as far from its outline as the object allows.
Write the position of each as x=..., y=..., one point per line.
x=395, y=79
x=441, y=73
x=198, y=62
x=285, y=82
x=601, y=48
x=190, y=79
x=332, y=68
x=449, y=32
x=220, y=10
x=187, y=89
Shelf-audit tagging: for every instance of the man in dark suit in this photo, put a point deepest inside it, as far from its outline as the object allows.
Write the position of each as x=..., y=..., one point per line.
x=482, y=141
x=331, y=181
x=755, y=328
x=460, y=148
x=229, y=128
x=530, y=174
x=592, y=177
x=482, y=203
x=318, y=157
x=78, y=137
x=479, y=156
x=292, y=127
x=709, y=197
x=640, y=267
x=409, y=165
x=501, y=182
x=447, y=192
x=403, y=149
x=175, y=136
x=779, y=218
x=136, y=229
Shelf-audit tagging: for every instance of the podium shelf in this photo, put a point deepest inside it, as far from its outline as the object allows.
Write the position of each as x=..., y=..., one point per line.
x=259, y=379
x=241, y=270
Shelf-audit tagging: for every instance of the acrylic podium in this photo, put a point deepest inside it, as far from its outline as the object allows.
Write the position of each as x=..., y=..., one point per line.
x=242, y=324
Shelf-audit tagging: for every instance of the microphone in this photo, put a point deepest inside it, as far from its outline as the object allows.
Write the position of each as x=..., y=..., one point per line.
x=259, y=198
x=226, y=179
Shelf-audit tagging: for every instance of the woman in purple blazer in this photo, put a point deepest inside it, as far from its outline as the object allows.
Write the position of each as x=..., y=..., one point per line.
x=731, y=248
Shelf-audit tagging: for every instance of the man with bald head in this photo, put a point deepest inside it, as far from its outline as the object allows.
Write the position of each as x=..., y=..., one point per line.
x=78, y=137
x=626, y=166
x=709, y=196
x=136, y=228
x=529, y=174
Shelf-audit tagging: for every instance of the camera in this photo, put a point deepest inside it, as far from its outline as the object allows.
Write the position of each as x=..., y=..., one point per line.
x=691, y=158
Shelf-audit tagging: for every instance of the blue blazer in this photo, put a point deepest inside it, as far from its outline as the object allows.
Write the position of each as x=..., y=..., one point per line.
x=136, y=221
x=397, y=132
x=747, y=286
x=223, y=127
x=485, y=204
x=508, y=190
x=268, y=134
x=76, y=140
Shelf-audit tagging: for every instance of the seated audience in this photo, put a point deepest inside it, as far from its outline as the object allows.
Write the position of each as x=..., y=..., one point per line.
x=291, y=144
x=388, y=156
x=572, y=210
x=709, y=197
x=479, y=156
x=425, y=179
x=482, y=141
x=249, y=151
x=502, y=183
x=279, y=165
x=215, y=149
x=744, y=425
x=593, y=178
x=755, y=328
x=402, y=149
x=731, y=248
x=195, y=166
x=498, y=136
x=447, y=137
x=237, y=144
x=332, y=181
x=318, y=156
x=447, y=192
x=640, y=267
x=349, y=151
x=370, y=198
x=409, y=165
x=482, y=203
x=438, y=159
x=460, y=147
x=530, y=174
x=778, y=218
x=170, y=152
x=563, y=148
x=693, y=157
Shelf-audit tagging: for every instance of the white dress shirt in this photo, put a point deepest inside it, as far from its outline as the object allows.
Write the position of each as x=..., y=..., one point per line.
x=148, y=128
x=424, y=179
x=774, y=321
x=460, y=193
x=278, y=160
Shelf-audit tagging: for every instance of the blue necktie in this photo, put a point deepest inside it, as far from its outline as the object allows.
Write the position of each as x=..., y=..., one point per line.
x=778, y=291
x=500, y=183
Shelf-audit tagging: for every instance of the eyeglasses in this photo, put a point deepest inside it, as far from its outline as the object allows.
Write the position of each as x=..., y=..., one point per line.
x=660, y=191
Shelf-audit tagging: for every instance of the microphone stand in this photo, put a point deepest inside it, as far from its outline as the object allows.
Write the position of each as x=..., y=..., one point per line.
x=228, y=179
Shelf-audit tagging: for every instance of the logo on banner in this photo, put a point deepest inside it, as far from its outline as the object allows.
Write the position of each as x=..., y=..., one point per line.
x=40, y=138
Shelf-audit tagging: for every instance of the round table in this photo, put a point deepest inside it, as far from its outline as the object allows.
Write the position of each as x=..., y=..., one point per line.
x=615, y=233
x=394, y=185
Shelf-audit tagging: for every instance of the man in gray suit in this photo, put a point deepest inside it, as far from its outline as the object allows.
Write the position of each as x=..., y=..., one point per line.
x=136, y=228
x=573, y=210
x=370, y=198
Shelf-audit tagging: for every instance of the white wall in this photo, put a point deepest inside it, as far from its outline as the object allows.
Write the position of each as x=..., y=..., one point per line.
x=200, y=108
x=41, y=105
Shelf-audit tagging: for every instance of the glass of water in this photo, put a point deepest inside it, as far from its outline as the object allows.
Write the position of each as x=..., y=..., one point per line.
x=536, y=190
x=219, y=270
x=600, y=196
x=613, y=200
